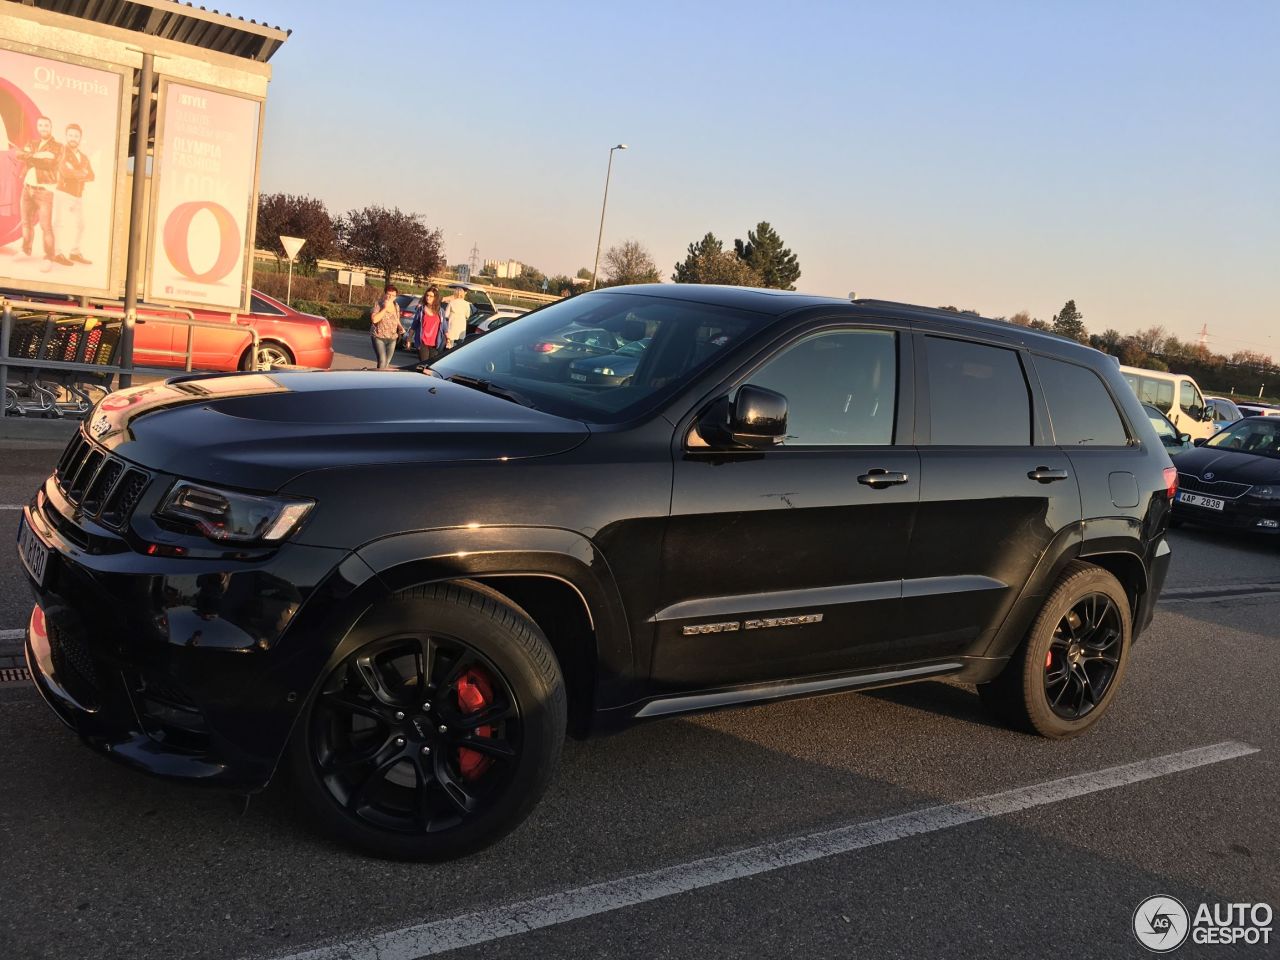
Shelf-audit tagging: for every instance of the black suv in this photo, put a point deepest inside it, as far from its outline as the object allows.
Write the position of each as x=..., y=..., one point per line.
x=406, y=588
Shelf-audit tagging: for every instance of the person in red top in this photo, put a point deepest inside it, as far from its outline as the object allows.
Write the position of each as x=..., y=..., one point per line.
x=426, y=325
x=74, y=171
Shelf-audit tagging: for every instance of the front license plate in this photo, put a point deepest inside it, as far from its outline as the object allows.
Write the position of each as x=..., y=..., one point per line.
x=1195, y=500
x=35, y=555
x=578, y=376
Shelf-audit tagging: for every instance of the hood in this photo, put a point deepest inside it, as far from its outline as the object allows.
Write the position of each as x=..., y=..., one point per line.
x=1229, y=465
x=259, y=431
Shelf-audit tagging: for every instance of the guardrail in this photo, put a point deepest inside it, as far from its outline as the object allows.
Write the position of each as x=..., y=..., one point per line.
x=79, y=358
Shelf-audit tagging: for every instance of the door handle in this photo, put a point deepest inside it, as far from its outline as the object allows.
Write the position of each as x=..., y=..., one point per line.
x=880, y=477
x=1046, y=475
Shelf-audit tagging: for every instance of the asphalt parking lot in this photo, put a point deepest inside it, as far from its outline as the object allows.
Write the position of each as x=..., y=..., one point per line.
x=895, y=823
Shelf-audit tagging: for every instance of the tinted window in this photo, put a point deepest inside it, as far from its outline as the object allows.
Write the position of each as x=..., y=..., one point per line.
x=840, y=388
x=258, y=305
x=1163, y=428
x=1079, y=406
x=977, y=395
x=1250, y=436
x=1164, y=395
x=1188, y=396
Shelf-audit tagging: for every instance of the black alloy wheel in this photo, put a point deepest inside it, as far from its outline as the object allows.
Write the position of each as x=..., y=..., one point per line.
x=436, y=729
x=415, y=733
x=1083, y=656
x=1063, y=677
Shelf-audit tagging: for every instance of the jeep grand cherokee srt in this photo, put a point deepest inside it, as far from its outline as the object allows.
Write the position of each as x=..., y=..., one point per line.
x=407, y=588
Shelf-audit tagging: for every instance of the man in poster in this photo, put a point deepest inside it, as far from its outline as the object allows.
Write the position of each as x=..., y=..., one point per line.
x=74, y=171
x=41, y=157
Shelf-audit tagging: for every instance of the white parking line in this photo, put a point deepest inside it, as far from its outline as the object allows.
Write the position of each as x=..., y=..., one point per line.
x=10, y=506
x=511, y=919
x=12, y=634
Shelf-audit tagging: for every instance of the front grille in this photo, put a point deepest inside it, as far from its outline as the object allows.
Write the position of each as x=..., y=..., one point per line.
x=104, y=487
x=1213, y=488
x=72, y=662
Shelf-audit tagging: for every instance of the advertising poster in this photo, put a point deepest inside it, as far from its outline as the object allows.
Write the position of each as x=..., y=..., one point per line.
x=203, y=188
x=58, y=169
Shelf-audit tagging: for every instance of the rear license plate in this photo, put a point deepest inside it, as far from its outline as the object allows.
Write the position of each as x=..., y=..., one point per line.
x=35, y=555
x=1195, y=500
x=578, y=376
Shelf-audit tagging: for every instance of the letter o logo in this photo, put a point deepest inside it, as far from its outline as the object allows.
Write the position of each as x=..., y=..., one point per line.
x=177, y=230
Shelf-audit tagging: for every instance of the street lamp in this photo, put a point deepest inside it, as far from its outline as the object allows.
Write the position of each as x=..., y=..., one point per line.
x=603, y=206
x=291, y=247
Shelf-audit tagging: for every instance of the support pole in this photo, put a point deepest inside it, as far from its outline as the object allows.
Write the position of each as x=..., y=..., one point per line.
x=134, y=261
x=6, y=335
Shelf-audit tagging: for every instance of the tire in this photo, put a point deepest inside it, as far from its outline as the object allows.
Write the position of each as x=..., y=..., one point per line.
x=370, y=758
x=1041, y=684
x=269, y=351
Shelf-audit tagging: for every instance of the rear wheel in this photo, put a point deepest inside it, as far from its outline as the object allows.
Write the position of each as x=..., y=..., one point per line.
x=438, y=734
x=270, y=354
x=1065, y=674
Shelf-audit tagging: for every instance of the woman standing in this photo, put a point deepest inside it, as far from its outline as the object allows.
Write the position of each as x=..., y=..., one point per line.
x=385, y=330
x=426, y=325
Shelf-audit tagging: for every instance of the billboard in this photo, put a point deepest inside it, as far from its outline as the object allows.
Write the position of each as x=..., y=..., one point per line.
x=203, y=193
x=59, y=184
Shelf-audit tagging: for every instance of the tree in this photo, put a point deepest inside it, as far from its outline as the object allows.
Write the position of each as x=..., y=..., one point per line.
x=1151, y=340
x=1109, y=341
x=583, y=273
x=708, y=262
x=967, y=311
x=630, y=262
x=1021, y=319
x=1038, y=324
x=1069, y=323
x=764, y=253
x=391, y=241
x=294, y=215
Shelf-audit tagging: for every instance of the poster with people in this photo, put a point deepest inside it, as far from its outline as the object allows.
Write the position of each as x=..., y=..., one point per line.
x=58, y=186
x=203, y=195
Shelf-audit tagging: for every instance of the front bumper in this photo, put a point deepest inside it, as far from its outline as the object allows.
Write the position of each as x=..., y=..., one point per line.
x=1244, y=515
x=181, y=668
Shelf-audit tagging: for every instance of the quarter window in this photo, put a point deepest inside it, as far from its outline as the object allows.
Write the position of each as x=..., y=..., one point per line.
x=1080, y=407
x=977, y=395
x=840, y=388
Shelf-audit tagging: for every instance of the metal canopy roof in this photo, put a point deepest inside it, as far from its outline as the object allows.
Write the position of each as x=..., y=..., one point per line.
x=182, y=22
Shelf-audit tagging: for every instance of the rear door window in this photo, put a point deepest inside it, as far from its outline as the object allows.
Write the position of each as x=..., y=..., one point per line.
x=978, y=395
x=1080, y=406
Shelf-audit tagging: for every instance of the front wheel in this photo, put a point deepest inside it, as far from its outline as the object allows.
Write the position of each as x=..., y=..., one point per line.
x=1064, y=676
x=438, y=733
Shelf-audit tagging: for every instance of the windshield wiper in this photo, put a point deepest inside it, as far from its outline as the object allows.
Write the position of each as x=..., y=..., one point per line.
x=486, y=386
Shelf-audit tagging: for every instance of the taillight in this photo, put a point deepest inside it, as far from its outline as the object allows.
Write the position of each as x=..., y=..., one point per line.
x=324, y=331
x=1171, y=481
x=543, y=347
x=406, y=314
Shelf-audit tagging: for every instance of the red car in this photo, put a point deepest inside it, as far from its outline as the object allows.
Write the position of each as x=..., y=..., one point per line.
x=284, y=336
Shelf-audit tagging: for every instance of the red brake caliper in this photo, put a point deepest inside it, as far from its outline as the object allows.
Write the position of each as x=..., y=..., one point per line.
x=475, y=692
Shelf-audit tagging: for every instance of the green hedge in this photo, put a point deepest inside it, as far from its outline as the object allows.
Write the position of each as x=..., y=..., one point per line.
x=349, y=315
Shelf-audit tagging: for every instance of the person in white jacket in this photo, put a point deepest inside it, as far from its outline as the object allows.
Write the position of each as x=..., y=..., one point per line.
x=457, y=311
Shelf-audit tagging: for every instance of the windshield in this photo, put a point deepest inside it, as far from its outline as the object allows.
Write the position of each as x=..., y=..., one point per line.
x=534, y=356
x=1250, y=436
x=1163, y=428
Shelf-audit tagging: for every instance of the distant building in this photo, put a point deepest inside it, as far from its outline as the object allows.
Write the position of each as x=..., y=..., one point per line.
x=462, y=273
x=504, y=269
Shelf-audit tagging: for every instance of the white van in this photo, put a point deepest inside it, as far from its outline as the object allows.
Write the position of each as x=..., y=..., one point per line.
x=1177, y=396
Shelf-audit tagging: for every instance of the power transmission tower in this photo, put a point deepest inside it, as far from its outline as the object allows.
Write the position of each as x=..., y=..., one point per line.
x=1204, y=337
x=475, y=259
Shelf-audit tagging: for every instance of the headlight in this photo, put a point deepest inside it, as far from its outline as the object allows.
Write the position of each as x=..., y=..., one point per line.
x=234, y=517
x=1266, y=493
x=607, y=371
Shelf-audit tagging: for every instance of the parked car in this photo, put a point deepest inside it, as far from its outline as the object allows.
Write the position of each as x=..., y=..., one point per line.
x=483, y=306
x=1258, y=410
x=285, y=335
x=1233, y=479
x=1175, y=395
x=793, y=495
x=548, y=358
x=613, y=369
x=1225, y=412
x=1173, y=441
x=493, y=322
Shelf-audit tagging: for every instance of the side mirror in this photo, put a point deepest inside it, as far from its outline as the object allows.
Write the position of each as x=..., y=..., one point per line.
x=1185, y=438
x=757, y=418
x=1198, y=441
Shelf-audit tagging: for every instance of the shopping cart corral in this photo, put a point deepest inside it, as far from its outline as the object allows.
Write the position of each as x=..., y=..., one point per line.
x=58, y=361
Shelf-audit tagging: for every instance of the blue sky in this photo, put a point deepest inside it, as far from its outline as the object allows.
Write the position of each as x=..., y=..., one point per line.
x=999, y=156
